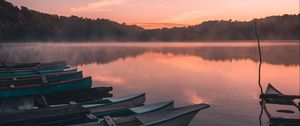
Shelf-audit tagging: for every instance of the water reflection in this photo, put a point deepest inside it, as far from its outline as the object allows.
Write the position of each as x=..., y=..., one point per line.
x=223, y=76
x=79, y=54
x=229, y=86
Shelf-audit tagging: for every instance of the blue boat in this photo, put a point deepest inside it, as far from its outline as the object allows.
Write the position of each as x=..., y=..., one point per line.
x=50, y=78
x=30, y=65
x=34, y=89
x=37, y=68
x=35, y=73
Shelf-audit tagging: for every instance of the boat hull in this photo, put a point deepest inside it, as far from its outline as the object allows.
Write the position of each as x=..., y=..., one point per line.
x=30, y=65
x=38, y=79
x=136, y=110
x=50, y=88
x=64, y=97
x=122, y=104
x=34, y=73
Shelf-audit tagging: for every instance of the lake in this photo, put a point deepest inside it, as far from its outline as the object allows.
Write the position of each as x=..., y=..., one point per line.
x=224, y=75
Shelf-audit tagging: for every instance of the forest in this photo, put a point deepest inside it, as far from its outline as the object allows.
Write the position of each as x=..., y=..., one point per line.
x=26, y=25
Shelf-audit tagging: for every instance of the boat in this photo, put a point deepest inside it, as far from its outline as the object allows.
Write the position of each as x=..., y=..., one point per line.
x=95, y=106
x=79, y=95
x=34, y=73
x=30, y=65
x=57, y=116
x=34, y=89
x=42, y=79
x=37, y=68
x=35, y=117
x=109, y=104
x=46, y=99
x=136, y=110
x=173, y=117
x=35, y=76
x=280, y=108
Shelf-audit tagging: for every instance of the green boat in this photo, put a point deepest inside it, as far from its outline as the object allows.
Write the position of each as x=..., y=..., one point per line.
x=41, y=79
x=34, y=73
x=34, y=89
x=38, y=68
x=30, y=65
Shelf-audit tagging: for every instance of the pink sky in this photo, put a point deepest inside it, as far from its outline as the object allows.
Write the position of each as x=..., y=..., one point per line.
x=164, y=13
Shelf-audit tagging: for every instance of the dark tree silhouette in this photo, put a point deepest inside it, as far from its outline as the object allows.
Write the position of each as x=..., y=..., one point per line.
x=23, y=24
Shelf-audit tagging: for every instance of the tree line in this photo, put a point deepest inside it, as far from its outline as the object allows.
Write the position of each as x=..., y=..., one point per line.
x=23, y=24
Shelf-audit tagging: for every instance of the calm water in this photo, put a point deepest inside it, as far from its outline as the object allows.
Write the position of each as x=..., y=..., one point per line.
x=223, y=75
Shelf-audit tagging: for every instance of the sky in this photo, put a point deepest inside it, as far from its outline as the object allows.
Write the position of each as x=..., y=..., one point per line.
x=164, y=13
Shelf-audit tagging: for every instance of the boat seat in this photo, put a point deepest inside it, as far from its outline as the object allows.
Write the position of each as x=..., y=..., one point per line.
x=12, y=86
x=109, y=121
x=91, y=116
x=72, y=102
x=44, y=79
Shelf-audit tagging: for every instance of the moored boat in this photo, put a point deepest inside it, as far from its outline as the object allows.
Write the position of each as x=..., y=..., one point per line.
x=34, y=89
x=35, y=73
x=37, y=68
x=136, y=110
x=57, y=116
x=280, y=108
x=173, y=117
x=30, y=65
x=41, y=79
x=109, y=104
x=46, y=99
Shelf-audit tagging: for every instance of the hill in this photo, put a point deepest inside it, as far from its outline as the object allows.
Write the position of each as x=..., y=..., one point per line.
x=23, y=24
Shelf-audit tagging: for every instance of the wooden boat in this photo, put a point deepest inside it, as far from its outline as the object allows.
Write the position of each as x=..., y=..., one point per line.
x=34, y=73
x=57, y=116
x=30, y=65
x=115, y=103
x=42, y=79
x=173, y=117
x=63, y=97
x=136, y=110
x=34, y=89
x=280, y=108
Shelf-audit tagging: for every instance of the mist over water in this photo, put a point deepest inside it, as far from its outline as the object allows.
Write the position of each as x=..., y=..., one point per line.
x=223, y=75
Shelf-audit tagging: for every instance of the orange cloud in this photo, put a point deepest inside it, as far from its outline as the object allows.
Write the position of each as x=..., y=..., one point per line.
x=97, y=6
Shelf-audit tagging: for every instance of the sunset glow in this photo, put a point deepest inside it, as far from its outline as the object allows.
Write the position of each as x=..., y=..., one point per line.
x=166, y=13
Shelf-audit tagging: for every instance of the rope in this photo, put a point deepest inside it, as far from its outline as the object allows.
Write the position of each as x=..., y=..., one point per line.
x=260, y=58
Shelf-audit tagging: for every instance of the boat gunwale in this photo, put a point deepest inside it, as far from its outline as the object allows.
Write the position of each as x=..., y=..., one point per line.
x=32, y=86
x=38, y=76
x=128, y=99
x=178, y=116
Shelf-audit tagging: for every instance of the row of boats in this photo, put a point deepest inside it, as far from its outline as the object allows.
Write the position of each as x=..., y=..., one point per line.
x=53, y=93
